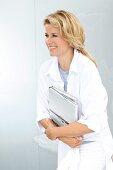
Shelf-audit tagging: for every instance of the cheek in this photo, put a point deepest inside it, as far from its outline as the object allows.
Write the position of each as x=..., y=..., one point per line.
x=64, y=43
x=45, y=41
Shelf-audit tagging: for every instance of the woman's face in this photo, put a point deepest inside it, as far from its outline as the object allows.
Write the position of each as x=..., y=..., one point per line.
x=55, y=42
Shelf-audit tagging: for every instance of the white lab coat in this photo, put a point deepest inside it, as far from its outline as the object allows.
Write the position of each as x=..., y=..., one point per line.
x=85, y=84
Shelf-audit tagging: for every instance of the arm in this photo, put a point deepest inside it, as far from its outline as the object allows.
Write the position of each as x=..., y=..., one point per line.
x=72, y=130
x=70, y=141
x=47, y=123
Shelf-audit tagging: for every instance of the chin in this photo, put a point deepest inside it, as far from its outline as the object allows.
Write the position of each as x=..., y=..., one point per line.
x=52, y=55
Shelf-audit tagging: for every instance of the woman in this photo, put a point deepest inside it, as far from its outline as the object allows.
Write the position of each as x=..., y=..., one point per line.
x=74, y=70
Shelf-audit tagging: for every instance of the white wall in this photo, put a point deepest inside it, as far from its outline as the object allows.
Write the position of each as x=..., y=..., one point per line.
x=97, y=19
x=17, y=85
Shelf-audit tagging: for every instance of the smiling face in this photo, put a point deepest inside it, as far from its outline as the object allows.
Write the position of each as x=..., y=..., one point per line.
x=55, y=42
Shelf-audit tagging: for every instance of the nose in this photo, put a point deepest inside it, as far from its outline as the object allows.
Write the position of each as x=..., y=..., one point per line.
x=48, y=40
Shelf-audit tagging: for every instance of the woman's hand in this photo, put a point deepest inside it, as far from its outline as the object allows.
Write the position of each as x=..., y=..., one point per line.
x=72, y=141
x=49, y=132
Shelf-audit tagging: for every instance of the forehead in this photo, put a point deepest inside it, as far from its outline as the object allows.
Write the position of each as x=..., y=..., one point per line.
x=51, y=29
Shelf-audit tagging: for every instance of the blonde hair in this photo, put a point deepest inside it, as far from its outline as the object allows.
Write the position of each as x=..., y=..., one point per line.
x=70, y=28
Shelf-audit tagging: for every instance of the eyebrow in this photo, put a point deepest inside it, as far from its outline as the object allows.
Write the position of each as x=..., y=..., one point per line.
x=51, y=33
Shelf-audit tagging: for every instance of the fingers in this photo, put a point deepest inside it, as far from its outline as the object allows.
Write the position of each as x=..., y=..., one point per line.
x=78, y=141
x=78, y=144
x=80, y=138
x=73, y=142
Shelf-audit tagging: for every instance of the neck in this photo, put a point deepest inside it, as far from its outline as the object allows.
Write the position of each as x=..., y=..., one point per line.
x=65, y=60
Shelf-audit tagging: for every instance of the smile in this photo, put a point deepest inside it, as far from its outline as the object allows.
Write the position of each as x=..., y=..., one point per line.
x=52, y=47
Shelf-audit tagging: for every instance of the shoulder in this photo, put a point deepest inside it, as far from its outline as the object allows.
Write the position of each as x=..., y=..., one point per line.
x=85, y=64
x=88, y=71
x=84, y=61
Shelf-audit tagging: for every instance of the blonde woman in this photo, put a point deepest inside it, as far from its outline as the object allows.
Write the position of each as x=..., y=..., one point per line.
x=74, y=70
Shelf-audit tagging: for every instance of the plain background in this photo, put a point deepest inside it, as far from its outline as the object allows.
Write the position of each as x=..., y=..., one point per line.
x=18, y=151
x=22, y=51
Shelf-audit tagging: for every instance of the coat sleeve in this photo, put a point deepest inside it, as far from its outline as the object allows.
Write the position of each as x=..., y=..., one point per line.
x=42, y=98
x=93, y=98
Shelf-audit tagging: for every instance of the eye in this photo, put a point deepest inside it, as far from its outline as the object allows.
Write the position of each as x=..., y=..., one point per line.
x=46, y=35
x=54, y=35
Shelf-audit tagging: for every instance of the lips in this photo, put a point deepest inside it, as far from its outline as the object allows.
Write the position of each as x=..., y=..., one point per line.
x=52, y=47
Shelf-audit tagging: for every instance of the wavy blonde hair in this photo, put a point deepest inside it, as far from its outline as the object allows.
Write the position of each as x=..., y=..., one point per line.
x=71, y=30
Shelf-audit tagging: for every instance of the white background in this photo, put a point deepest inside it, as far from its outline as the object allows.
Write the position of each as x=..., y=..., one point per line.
x=18, y=151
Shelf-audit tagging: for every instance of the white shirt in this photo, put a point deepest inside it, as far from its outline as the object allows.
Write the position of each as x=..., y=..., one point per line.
x=85, y=84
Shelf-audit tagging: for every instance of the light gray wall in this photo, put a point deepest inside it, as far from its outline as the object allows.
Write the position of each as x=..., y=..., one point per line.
x=18, y=151
x=97, y=19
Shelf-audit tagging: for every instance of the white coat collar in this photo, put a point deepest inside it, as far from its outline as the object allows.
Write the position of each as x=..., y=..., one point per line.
x=54, y=70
